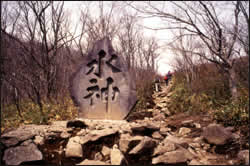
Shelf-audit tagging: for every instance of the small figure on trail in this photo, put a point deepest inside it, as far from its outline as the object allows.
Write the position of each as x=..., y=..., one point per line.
x=169, y=75
x=157, y=83
x=166, y=79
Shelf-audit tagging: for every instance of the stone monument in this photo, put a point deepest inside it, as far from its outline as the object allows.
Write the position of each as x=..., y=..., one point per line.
x=102, y=87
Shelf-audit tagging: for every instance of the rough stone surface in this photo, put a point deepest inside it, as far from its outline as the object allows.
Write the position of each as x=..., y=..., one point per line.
x=94, y=138
x=39, y=140
x=102, y=87
x=187, y=123
x=184, y=131
x=98, y=156
x=157, y=135
x=74, y=148
x=14, y=137
x=144, y=126
x=195, y=162
x=216, y=134
x=126, y=142
x=244, y=156
x=23, y=153
x=65, y=135
x=97, y=134
x=145, y=144
x=163, y=148
x=164, y=131
x=197, y=125
x=105, y=151
x=175, y=139
x=173, y=157
x=92, y=162
x=160, y=117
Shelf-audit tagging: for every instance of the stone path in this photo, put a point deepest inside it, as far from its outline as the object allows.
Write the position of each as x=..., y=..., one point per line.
x=161, y=138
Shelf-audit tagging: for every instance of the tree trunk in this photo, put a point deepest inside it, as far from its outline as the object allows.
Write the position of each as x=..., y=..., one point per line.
x=233, y=83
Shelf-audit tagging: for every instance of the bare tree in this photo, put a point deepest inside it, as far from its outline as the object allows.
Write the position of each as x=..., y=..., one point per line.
x=185, y=60
x=38, y=34
x=243, y=36
x=128, y=37
x=150, y=52
x=201, y=19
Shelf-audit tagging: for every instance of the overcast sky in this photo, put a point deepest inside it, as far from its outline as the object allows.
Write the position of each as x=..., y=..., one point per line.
x=165, y=57
x=163, y=37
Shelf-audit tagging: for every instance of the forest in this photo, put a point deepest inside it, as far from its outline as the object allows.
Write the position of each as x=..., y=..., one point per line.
x=41, y=48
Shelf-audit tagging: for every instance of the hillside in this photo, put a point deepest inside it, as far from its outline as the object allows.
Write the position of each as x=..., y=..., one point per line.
x=158, y=137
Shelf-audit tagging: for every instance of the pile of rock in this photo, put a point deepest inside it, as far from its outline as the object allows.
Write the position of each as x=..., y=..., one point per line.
x=105, y=142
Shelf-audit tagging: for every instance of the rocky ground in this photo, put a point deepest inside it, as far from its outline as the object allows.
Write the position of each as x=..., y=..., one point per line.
x=153, y=136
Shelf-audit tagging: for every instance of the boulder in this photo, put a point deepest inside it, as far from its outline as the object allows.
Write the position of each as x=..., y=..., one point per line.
x=216, y=134
x=92, y=162
x=194, y=162
x=164, y=131
x=105, y=151
x=97, y=134
x=173, y=157
x=177, y=140
x=39, y=140
x=160, y=117
x=195, y=145
x=127, y=142
x=144, y=127
x=65, y=135
x=98, y=156
x=243, y=155
x=183, y=131
x=163, y=148
x=187, y=123
x=24, y=153
x=74, y=148
x=197, y=125
x=15, y=136
x=145, y=144
x=157, y=135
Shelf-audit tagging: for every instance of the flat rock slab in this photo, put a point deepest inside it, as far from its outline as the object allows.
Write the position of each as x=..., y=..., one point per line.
x=164, y=147
x=173, y=157
x=102, y=87
x=23, y=153
x=21, y=134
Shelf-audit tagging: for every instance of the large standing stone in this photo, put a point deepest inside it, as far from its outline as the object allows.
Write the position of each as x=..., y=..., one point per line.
x=102, y=87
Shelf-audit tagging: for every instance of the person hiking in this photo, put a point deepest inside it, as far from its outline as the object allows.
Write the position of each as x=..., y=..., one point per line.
x=157, y=83
x=169, y=75
x=166, y=79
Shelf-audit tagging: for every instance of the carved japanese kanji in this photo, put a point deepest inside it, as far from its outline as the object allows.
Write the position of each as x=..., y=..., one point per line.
x=102, y=86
